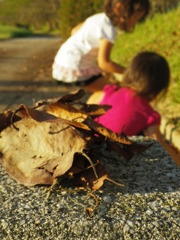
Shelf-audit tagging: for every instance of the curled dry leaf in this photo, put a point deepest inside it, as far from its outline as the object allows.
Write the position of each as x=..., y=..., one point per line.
x=39, y=152
x=94, y=110
x=98, y=128
x=69, y=98
x=6, y=119
x=56, y=138
x=88, y=179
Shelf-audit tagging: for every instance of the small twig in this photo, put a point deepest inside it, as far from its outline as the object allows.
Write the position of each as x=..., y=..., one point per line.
x=12, y=120
x=63, y=129
x=116, y=183
x=50, y=190
x=92, y=165
x=90, y=210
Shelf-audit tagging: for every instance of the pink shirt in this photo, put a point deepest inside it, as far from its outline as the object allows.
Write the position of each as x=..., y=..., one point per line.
x=129, y=113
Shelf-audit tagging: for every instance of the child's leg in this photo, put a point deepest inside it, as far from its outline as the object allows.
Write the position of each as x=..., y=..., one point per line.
x=118, y=77
x=95, y=97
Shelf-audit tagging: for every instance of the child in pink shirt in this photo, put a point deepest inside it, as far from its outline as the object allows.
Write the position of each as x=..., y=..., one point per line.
x=147, y=77
x=129, y=114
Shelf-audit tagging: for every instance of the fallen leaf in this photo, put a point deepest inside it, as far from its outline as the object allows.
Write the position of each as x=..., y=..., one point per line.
x=57, y=137
x=39, y=152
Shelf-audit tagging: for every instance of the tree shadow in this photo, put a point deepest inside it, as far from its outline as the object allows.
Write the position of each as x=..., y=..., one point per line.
x=13, y=93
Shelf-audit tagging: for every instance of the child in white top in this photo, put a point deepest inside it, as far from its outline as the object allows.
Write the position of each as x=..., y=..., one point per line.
x=87, y=52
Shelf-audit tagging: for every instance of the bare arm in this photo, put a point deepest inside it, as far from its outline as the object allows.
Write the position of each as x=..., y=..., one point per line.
x=154, y=132
x=104, y=60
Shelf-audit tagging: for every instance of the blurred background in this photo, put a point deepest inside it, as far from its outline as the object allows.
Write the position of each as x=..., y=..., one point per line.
x=160, y=32
x=25, y=17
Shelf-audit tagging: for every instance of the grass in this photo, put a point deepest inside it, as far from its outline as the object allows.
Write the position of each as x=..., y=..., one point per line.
x=7, y=32
x=12, y=31
x=161, y=34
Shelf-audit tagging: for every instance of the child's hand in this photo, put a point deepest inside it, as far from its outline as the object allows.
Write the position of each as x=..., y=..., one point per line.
x=154, y=132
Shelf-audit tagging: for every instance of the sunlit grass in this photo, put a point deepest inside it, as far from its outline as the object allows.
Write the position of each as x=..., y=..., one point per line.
x=7, y=32
x=11, y=31
x=161, y=34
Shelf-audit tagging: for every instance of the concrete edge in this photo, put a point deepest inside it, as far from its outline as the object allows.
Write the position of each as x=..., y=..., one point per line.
x=171, y=132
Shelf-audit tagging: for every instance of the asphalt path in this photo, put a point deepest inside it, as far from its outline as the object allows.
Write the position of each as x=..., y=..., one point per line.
x=25, y=76
x=25, y=71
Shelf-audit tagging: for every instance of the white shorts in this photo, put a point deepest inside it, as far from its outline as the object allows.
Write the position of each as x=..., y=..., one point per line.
x=67, y=75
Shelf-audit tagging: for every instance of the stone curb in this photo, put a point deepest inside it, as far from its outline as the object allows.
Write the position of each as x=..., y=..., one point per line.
x=171, y=132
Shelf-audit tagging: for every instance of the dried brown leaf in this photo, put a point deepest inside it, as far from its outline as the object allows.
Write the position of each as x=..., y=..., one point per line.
x=88, y=179
x=98, y=128
x=39, y=116
x=68, y=98
x=66, y=111
x=6, y=119
x=35, y=156
x=51, y=135
x=95, y=110
x=73, y=96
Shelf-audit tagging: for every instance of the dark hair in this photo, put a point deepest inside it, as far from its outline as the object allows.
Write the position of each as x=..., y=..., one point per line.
x=148, y=74
x=129, y=6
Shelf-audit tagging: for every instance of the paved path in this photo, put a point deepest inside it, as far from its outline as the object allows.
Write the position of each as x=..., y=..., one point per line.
x=25, y=71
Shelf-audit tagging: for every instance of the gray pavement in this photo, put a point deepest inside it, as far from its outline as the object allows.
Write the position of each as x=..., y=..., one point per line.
x=25, y=71
x=147, y=208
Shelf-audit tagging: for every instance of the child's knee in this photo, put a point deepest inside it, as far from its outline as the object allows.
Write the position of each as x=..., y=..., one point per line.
x=95, y=97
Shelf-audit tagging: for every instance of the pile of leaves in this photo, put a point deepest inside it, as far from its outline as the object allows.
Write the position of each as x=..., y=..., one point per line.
x=59, y=137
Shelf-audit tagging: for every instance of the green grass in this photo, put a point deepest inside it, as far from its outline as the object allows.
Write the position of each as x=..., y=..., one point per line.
x=7, y=32
x=11, y=31
x=161, y=34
